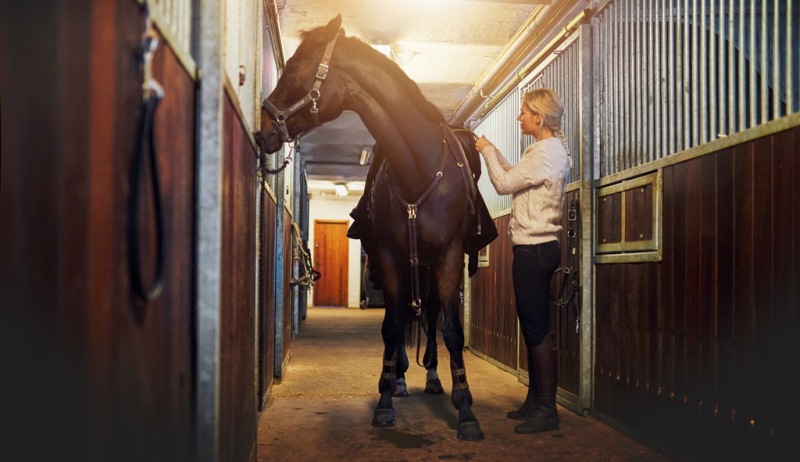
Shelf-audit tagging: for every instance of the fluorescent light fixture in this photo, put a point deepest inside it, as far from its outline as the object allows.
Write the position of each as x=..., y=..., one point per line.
x=366, y=153
x=341, y=189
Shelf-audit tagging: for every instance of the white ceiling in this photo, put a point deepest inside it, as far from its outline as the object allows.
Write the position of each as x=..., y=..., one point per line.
x=448, y=47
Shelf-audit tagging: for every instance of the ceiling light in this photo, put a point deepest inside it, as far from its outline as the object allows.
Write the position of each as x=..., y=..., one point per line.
x=341, y=189
x=365, y=155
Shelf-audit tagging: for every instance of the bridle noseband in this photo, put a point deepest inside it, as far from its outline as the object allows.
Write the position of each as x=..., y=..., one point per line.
x=279, y=117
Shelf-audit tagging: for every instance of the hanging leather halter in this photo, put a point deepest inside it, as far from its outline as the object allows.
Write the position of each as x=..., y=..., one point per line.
x=279, y=117
x=145, y=144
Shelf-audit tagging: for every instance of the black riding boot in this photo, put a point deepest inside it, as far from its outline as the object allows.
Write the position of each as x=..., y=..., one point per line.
x=529, y=405
x=545, y=417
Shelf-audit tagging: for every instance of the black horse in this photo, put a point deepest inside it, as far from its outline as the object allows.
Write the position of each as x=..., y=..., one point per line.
x=424, y=202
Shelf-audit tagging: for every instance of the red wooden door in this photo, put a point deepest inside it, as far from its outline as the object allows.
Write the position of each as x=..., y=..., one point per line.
x=330, y=259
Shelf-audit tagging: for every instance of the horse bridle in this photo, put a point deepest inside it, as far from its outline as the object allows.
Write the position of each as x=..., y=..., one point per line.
x=279, y=117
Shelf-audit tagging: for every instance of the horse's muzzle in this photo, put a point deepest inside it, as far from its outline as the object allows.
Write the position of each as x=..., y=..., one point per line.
x=269, y=141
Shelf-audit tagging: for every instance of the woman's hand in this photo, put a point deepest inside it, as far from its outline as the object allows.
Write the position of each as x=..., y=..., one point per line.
x=481, y=143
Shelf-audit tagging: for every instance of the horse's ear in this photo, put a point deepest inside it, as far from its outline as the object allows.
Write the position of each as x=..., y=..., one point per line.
x=334, y=25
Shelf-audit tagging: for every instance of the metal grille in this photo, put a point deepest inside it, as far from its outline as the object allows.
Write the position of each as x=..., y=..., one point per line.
x=242, y=61
x=675, y=74
x=560, y=73
x=502, y=129
x=562, y=76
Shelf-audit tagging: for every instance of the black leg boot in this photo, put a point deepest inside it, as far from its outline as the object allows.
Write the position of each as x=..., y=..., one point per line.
x=545, y=417
x=529, y=405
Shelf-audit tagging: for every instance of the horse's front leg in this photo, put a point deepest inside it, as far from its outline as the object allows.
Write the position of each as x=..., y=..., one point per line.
x=401, y=368
x=430, y=360
x=393, y=355
x=449, y=279
x=468, y=426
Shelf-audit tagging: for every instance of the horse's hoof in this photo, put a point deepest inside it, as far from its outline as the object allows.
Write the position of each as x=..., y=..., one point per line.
x=434, y=387
x=383, y=418
x=470, y=431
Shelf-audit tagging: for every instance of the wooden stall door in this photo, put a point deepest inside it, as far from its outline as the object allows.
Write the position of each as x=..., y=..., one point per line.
x=330, y=259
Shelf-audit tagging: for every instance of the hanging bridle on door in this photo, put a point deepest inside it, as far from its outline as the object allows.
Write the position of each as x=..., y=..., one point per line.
x=570, y=283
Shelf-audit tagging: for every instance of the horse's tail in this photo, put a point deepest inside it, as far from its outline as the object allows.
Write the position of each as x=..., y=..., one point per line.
x=411, y=333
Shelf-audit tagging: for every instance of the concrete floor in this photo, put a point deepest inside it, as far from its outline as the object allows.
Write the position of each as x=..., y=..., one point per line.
x=322, y=408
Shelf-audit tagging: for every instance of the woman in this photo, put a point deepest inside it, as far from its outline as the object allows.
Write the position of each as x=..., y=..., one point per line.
x=536, y=185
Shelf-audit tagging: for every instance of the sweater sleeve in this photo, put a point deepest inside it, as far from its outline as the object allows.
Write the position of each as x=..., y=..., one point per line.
x=535, y=167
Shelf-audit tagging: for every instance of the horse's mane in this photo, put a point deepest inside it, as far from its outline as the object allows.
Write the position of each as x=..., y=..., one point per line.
x=430, y=111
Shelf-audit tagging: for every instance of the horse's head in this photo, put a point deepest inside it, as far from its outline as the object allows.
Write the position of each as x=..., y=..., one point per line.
x=306, y=95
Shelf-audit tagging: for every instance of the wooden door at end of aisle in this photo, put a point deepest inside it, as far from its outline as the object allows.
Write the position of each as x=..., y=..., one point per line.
x=331, y=260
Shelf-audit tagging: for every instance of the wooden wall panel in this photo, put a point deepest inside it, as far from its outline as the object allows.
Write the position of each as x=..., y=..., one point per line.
x=638, y=216
x=493, y=317
x=113, y=374
x=238, y=404
x=287, y=276
x=779, y=344
x=692, y=351
x=708, y=277
x=266, y=311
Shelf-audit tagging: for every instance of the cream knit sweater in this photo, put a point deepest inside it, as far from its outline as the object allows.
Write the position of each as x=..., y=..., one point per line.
x=536, y=185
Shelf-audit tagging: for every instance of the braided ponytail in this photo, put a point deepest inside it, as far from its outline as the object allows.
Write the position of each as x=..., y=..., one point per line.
x=560, y=136
x=547, y=103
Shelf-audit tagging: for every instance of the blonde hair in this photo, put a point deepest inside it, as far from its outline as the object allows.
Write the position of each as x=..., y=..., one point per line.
x=546, y=102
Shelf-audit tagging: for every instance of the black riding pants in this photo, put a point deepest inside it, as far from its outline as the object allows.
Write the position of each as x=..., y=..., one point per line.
x=531, y=270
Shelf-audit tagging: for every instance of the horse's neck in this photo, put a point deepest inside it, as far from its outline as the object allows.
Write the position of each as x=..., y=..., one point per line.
x=410, y=166
x=412, y=144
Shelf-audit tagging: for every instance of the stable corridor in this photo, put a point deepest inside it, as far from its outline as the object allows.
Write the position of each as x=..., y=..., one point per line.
x=321, y=409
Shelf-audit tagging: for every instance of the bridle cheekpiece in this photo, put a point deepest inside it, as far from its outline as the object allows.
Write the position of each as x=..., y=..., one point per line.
x=279, y=117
